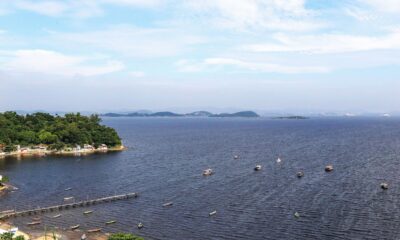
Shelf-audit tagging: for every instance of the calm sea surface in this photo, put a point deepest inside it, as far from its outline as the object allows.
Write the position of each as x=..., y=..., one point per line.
x=165, y=160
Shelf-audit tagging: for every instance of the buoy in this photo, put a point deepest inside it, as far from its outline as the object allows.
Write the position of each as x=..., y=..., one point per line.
x=384, y=186
x=328, y=168
x=297, y=215
x=300, y=174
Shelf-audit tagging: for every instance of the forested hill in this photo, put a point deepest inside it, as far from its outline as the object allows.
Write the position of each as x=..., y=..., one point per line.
x=57, y=132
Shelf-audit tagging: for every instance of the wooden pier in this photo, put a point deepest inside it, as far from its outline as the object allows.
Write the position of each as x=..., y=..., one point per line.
x=8, y=214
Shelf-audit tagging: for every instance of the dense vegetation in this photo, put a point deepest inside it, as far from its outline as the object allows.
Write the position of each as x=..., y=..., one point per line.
x=9, y=236
x=124, y=236
x=57, y=132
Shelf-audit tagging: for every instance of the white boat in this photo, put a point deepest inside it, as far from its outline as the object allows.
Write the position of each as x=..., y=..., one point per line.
x=208, y=172
x=257, y=168
x=68, y=198
x=236, y=157
x=56, y=216
x=140, y=225
x=278, y=160
x=212, y=213
x=167, y=204
x=74, y=227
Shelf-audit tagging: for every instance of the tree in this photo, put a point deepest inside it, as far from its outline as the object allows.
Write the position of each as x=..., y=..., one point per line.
x=124, y=236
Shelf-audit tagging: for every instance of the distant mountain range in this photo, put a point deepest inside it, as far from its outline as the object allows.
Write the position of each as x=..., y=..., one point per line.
x=247, y=114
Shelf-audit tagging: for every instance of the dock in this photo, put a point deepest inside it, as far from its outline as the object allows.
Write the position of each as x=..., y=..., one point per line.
x=42, y=210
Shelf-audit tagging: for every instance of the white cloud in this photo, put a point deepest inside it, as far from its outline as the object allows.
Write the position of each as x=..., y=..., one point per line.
x=54, y=63
x=134, y=3
x=390, y=6
x=327, y=43
x=133, y=41
x=48, y=8
x=137, y=74
x=257, y=14
x=192, y=66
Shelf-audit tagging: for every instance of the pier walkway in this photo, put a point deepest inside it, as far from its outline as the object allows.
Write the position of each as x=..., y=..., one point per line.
x=10, y=214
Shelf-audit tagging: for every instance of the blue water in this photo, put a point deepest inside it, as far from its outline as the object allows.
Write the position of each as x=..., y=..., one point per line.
x=165, y=159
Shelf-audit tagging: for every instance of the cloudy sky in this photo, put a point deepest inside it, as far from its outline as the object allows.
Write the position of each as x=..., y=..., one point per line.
x=272, y=55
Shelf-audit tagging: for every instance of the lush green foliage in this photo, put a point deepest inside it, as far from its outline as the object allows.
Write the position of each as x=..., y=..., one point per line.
x=4, y=179
x=9, y=236
x=124, y=236
x=55, y=131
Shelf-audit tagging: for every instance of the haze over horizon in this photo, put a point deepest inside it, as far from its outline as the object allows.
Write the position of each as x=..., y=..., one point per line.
x=263, y=55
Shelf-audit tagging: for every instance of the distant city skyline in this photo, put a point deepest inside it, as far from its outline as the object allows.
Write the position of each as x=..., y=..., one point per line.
x=218, y=55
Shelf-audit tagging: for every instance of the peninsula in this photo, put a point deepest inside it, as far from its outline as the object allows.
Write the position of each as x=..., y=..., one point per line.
x=43, y=133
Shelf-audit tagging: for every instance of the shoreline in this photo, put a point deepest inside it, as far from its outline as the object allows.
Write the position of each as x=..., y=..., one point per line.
x=74, y=152
x=67, y=234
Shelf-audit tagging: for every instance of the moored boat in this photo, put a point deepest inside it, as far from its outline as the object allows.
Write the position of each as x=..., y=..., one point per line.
x=328, y=168
x=300, y=174
x=56, y=216
x=140, y=225
x=208, y=172
x=68, y=198
x=168, y=204
x=88, y=212
x=74, y=227
x=257, y=168
x=94, y=230
x=212, y=213
x=111, y=222
x=34, y=223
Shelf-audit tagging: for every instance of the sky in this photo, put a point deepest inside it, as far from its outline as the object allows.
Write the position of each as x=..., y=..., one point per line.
x=263, y=55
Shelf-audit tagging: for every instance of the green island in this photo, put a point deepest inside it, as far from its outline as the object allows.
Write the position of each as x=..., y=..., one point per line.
x=43, y=133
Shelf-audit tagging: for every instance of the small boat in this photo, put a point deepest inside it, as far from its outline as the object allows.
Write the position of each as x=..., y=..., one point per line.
x=83, y=237
x=328, y=168
x=36, y=219
x=140, y=225
x=300, y=174
x=74, y=227
x=236, y=156
x=56, y=216
x=257, y=168
x=111, y=222
x=296, y=215
x=168, y=204
x=208, y=172
x=88, y=212
x=278, y=160
x=384, y=186
x=34, y=223
x=68, y=189
x=68, y=198
x=212, y=213
x=94, y=230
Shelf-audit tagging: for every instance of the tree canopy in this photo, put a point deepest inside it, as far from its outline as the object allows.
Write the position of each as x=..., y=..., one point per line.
x=56, y=131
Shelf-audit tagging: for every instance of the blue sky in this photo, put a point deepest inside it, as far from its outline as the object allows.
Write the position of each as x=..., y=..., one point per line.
x=266, y=55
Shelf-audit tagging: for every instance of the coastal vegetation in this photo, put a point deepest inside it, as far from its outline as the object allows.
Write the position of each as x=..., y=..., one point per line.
x=56, y=132
x=124, y=236
x=10, y=236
